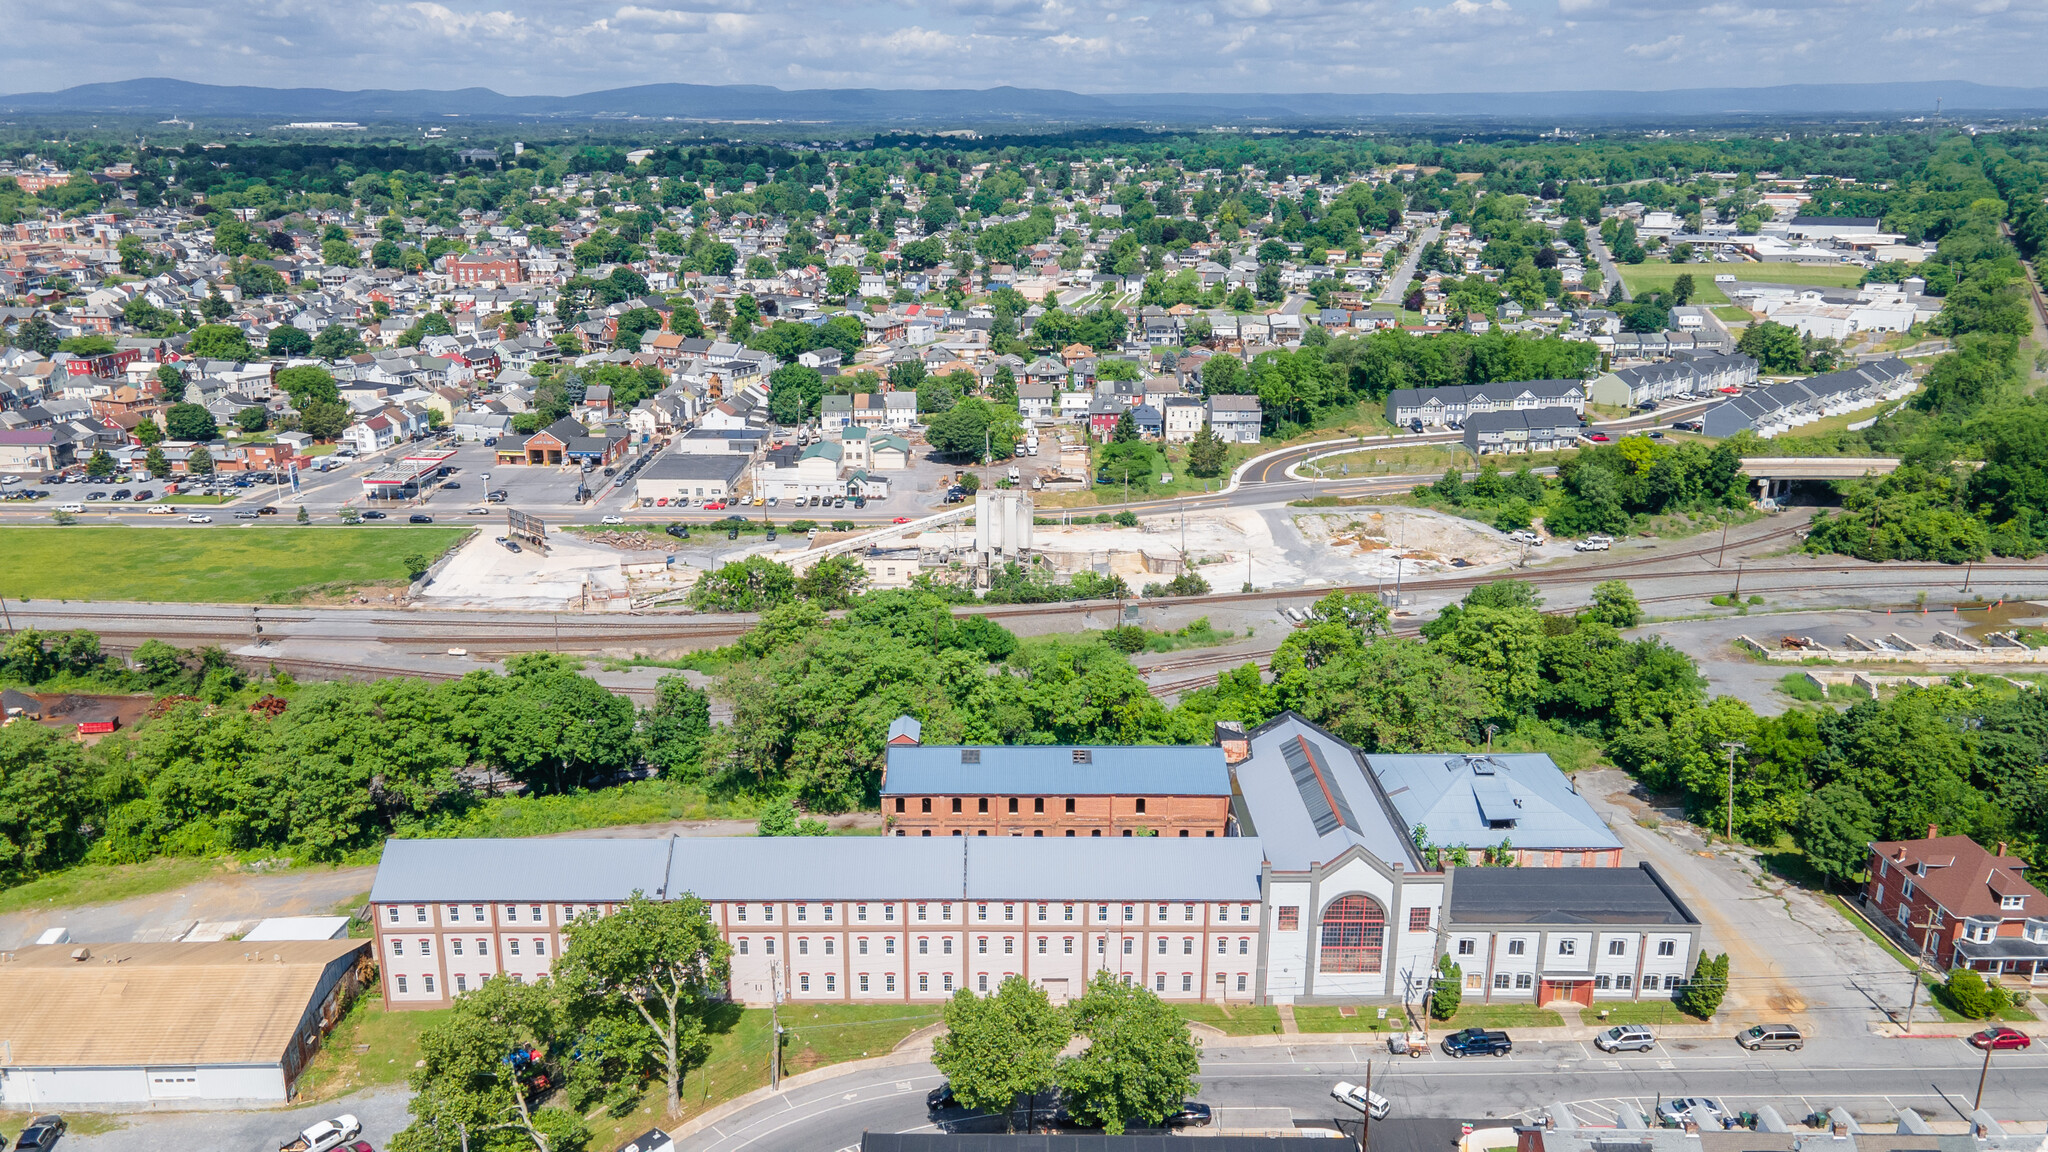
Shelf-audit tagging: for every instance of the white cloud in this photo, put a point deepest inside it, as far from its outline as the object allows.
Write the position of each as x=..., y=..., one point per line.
x=1664, y=49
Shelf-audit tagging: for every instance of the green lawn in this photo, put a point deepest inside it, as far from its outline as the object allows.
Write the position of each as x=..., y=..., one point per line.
x=1734, y=313
x=185, y=498
x=103, y=883
x=1328, y=1018
x=1237, y=1020
x=1657, y=276
x=256, y=563
x=389, y=1043
x=1638, y=1012
x=1500, y=1016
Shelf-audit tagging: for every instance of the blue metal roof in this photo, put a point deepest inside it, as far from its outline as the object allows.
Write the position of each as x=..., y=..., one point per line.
x=1054, y=770
x=1476, y=800
x=553, y=870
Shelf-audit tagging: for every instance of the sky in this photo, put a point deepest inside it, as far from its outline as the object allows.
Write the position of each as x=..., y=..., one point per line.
x=562, y=47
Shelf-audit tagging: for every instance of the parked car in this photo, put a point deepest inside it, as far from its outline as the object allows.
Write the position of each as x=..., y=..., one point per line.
x=198, y=518
x=122, y=494
x=1625, y=1038
x=1598, y=437
x=1591, y=546
x=940, y=1097
x=2000, y=1037
x=1192, y=1114
x=714, y=505
x=1477, y=1042
x=419, y=518
x=325, y=1136
x=1524, y=536
x=1675, y=1110
x=611, y=520
x=1771, y=1036
x=1356, y=1096
x=41, y=1133
x=652, y=1140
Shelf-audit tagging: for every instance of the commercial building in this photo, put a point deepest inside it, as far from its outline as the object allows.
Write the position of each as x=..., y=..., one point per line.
x=110, y=1026
x=1055, y=790
x=1513, y=803
x=1961, y=904
x=683, y=475
x=1322, y=896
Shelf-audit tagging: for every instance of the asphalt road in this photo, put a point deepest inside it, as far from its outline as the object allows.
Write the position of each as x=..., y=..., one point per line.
x=1872, y=1079
x=1398, y=286
x=1607, y=268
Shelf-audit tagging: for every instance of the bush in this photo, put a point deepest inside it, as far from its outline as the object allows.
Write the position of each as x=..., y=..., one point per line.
x=1967, y=994
x=1126, y=519
x=802, y=525
x=1126, y=638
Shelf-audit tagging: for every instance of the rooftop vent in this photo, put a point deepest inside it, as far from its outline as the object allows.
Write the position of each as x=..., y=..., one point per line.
x=1083, y=756
x=970, y=755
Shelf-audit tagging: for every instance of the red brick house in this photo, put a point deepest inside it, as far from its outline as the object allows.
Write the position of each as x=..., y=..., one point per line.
x=476, y=269
x=1963, y=904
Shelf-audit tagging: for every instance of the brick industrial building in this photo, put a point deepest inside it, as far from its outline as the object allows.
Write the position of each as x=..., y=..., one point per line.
x=1320, y=895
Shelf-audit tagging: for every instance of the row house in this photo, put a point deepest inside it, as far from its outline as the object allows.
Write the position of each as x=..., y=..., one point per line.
x=1452, y=404
x=1324, y=898
x=1542, y=430
x=1697, y=375
x=1777, y=408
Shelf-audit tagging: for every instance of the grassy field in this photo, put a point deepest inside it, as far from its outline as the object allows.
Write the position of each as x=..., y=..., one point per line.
x=1638, y=1012
x=1328, y=1018
x=1236, y=1019
x=1657, y=276
x=370, y=1047
x=1500, y=1016
x=1734, y=313
x=104, y=883
x=251, y=564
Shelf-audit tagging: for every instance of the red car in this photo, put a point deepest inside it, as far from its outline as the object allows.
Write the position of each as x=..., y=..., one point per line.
x=2001, y=1037
x=900, y=520
x=715, y=505
x=1598, y=437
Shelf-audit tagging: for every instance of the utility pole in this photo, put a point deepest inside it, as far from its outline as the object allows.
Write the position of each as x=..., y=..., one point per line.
x=1723, y=553
x=1490, y=730
x=1981, y=1076
x=1738, y=579
x=1732, y=746
x=1920, y=961
x=1365, y=1117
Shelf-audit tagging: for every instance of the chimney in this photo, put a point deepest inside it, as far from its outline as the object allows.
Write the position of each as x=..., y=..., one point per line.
x=1932, y=829
x=2001, y=848
x=1230, y=736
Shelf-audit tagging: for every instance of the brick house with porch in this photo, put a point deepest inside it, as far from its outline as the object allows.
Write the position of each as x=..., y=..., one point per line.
x=1963, y=904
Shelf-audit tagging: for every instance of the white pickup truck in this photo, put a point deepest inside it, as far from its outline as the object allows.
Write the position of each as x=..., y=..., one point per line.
x=324, y=1136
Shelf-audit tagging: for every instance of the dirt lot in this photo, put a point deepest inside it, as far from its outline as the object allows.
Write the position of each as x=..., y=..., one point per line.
x=228, y=896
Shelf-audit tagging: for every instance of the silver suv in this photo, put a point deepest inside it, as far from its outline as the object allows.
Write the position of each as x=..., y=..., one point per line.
x=1625, y=1038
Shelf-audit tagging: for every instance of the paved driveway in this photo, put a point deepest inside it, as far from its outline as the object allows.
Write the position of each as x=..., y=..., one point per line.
x=1790, y=954
x=382, y=1112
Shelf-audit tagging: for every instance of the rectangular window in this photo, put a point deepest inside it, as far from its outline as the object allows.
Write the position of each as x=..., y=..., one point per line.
x=1567, y=947
x=1162, y=945
x=863, y=981
x=924, y=982
x=1069, y=913
x=1602, y=982
x=828, y=913
x=1009, y=912
x=394, y=914
x=1187, y=946
x=946, y=912
x=828, y=946
x=1009, y=945
x=1038, y=804
x=461, y=982
x=981, y=945
x=514, y=946
x=426, y=947
x=1222, y=946
x=1068, y=949
x=1289, y=918
x=1244, y=913
x=511, y=913
x=454, y=913
x=889, y=982
x=398, y=947
x=767, y=911
x=419, y=913
x=860, y=911
x=1083, y=756
x=483, y=947
x=803, y=911
x=862, y=946
x=889, y=912
x=1500, y=980
x=540, y=947
x=742, y=910
x=1240, y=981
x=1187, y=982
x=1130, y=913
x=1617, y=947
x=1130, y=945
x=946, y=946
x=536, y=913
x=889, y=945
x=1244, y=945
x=1467, y=947
x=401, y=985
x=1188, y=913
x=947, y=983
x=1671, y=981
x=920, y=911
x=1159, y=982
x=1667, y=947
x=804, y=982
x=1101, y=945
x=1418, y=919
x=479, y=911
x=981, y=982
x=803, y=946
x=1041, y=945
x=742, y=944
x=1523, y=980
x=1624, y=982
x=427, y=982
x=1517, y=947
x=1041, y=913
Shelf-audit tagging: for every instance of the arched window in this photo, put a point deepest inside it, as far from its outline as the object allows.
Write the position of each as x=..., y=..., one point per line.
x=1354, y=935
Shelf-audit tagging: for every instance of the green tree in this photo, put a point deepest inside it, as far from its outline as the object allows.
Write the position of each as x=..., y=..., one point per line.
x=199, y=462
x=1206, y=453
x=190, y=422
x=91, y=344
x=1836, y=827
x=37, y=335
x=337, y=341
x=1140, y=1063
x=1614, y=604
x=154, y=462
x=1000, y=1047
x=676, y=728
x=171, y=381
x=468, y=1092
x=1448, y=990
x=323, y=420
x=752, y=585
x=1126, y=431
x=779, y=818
x=99, y=465
x=1682, y=289
x=305, y=384
x=254, y=418
x=220, y=342
x=1701, y=996
x=1775, y=346
x=1503, y=645
x=834, y=582
x=665, y=960
x=288, y=340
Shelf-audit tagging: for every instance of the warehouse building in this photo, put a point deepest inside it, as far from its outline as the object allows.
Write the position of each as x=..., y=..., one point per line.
x=680, y=476
x=1322, y=896
x=115, y=1026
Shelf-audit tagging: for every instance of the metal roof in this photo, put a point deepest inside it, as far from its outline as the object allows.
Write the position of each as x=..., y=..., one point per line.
x=552, y=870
x=1278, y=808
x=818, y=867
x=1551, y=896
x=1464, y=798
x=1056, y=769
x=1113, y=868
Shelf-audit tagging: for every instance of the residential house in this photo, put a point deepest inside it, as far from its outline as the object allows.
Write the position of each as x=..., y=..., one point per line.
x=1520, y=430
x=1236, y=419
x=1949, y=899
x=1453, y=404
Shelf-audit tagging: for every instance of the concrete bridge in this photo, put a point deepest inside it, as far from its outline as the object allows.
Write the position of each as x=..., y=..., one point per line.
x=1774, y=474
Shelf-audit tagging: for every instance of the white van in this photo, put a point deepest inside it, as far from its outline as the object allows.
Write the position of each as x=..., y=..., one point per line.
x=74, y=509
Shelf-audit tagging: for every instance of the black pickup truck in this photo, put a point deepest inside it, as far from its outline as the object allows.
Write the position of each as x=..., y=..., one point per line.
x=1477, y=1042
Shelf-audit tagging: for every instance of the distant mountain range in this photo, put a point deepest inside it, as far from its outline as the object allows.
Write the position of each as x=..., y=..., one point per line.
x=1020, y=106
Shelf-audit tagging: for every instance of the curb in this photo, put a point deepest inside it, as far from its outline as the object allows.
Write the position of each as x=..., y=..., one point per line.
x=741, y=1103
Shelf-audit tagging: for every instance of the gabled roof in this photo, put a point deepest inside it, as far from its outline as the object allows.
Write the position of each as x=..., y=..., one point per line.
x=1962, y=876
x=1055, y=769
x=1306, y=794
